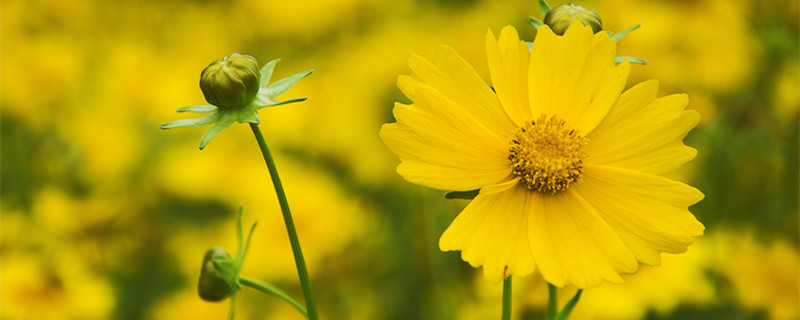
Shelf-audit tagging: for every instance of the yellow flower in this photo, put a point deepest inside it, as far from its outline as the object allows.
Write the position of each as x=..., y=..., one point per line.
x=568, y=166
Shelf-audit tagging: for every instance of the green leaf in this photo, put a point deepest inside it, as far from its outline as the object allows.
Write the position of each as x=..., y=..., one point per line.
x=618, y=36
x=225, y=120
x=201, y=108
x=545, y=7
x=536, y=23
x=635, y=60
x=468, y=195
x=564, y=314
x=197, y=122
x=277, y=88
x=266, y=72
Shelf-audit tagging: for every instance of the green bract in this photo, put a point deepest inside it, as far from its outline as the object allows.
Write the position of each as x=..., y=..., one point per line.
x=223, y=83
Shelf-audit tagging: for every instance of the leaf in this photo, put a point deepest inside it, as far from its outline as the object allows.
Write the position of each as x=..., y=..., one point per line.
x=200, y=108
x=225, y=121
x=545, y=7
x=468, y=195
x=564, y=314
x=536, y=23
x=277, y=88
x=266, y=72
x=197, y=122
x=618, y=36
x=635, y=60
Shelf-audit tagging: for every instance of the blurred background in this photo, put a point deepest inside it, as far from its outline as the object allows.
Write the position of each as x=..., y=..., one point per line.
x=104, y=216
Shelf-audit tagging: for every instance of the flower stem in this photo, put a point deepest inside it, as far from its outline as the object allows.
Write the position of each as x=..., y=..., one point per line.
x=552, y=307
x=507, y=298
x=268, y=289
x=302, y=271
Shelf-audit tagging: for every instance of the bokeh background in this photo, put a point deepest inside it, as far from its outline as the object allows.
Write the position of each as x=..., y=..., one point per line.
x=104, y=216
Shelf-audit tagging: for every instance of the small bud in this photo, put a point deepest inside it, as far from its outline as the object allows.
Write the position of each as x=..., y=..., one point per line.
x=231, y=83
x=560, y=18
x=212, y=287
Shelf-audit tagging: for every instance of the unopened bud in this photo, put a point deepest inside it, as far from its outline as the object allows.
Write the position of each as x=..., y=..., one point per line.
x=231, y=83
x=561, y=17
x=212, y=287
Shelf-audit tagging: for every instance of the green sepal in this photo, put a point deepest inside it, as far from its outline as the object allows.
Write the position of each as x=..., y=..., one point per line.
x=227, y=270
x=536, y=23
x=530, y=45
x=618, y=36
x=280, y=103
x=197, y=122
x=545, y=7
x=567, y=310
x=200, y=108
x=277, y=88
x=635, y=60
x=226, y=119
x=467, y=195
x=266, y=72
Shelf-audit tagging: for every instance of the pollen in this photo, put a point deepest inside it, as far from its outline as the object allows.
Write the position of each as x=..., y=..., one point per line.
x=547, y=154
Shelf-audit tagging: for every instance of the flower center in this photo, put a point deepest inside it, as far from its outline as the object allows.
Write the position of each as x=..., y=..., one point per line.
x=547, y=154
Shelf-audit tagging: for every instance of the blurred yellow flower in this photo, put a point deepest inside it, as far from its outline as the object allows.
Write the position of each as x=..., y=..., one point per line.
x=569, y=167
x=762, y=276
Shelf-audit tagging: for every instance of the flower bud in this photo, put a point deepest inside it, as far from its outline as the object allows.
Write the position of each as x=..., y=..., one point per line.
x=560, y=18
x=231, y=83
x=212, y=287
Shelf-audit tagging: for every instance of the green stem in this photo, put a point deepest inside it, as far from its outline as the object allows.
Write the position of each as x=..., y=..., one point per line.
x=507, y=298
x=302, y=271
x=268, y=289
x=552, y=306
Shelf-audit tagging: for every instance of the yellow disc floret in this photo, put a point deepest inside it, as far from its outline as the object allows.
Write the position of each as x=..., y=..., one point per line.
x=547, y=154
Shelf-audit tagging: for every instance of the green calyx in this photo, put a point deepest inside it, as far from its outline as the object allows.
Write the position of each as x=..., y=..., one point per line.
x=232, y=82
x=215, y=282
x=561, y=17
x=236, y=93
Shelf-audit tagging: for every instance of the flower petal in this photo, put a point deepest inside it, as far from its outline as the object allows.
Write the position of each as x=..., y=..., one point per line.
x=449, y=178
x=571, y=243
x=508, y=64
x=574, y=76
x=644, y=133
x=442, y=154
x=458, y=82
x=492, y=232
x=650, y=213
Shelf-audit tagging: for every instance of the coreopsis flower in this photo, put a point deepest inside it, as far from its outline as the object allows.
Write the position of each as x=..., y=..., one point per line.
x=569, y=167
x=236, y=89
